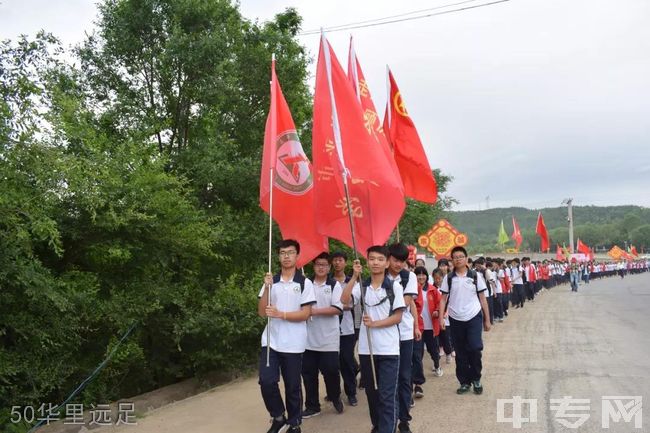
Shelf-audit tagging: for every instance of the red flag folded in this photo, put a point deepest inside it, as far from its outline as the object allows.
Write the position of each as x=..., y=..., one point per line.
x=634, y=251
x=559, y=254
x=541, y=231
x=583, y=248
x=516, y=233
x=370, y=117
x=341, y=144
x=410, y=157
x=293, y=193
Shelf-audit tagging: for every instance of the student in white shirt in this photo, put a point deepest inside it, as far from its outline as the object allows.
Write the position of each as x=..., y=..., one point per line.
x=348, y=338
x=323, y=334
x=383, y=305
x=408, y=329
x=292, y=296
x=468, y=314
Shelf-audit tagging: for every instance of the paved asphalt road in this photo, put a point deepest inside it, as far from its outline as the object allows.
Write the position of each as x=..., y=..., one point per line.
x=586, y=345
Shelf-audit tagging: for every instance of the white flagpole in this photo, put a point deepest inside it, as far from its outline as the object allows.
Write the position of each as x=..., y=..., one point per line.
x=339, y=150
x=274, y=133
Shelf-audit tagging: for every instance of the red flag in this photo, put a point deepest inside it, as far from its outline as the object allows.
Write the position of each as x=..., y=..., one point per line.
x=410, y=157
x=583, y=248
x=516, y=233
x=634, y=251
x=342, y=146
x=370, y=117
x=541, y=231
x=293, y=192
x=559, y=255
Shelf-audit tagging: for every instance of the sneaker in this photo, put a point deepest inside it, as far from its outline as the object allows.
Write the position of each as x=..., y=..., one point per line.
x=403, y=427
x=418, y=392
x=464, y=389
x=437, y=372
x=277, y=425
x=310, y=413
x=448, y=359
x=412, y=404
x=352, y=400
x=294, y=429
x=478, y=388
x=338, y=405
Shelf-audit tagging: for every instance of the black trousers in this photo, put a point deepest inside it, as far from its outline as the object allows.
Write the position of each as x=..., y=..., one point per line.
x=289, y=365
x=468, y=342
x=382, y=402
x=348, y=364
x=328, y=364
x=432, y=344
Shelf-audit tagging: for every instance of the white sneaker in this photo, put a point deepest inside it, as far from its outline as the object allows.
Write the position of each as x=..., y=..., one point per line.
x=437, y=372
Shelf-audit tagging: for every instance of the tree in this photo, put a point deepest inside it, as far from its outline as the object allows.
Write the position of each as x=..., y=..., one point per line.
x=640, y=237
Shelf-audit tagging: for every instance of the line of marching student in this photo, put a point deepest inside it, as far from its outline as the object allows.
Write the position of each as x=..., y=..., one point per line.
x=315, y=323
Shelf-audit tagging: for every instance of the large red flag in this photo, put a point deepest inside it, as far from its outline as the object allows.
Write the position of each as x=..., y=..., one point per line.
x=541, y=231
x=343, y=147
x=516, y=233
x=293, y=192
x=583, y=248
x=370, y=117
x=410, y=157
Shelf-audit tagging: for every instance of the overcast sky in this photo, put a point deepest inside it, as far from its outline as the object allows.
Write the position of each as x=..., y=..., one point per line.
x=527, y=102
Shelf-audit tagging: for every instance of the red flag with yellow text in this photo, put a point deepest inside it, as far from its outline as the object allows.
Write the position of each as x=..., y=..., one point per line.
x=409, y=154
x=370, y=117
x=343, y=146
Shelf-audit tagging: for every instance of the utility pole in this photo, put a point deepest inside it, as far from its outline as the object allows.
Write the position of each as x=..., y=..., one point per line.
x=569, y=203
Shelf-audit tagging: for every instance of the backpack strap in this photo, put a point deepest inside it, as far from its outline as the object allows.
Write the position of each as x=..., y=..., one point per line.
x=470, y=274
x=387, y=285
x=298, y=277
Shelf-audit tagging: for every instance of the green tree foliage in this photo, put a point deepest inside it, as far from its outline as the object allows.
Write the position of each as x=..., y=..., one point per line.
x=130, y=196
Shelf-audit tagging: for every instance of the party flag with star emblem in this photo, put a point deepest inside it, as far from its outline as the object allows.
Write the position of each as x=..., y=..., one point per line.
x=410, y=157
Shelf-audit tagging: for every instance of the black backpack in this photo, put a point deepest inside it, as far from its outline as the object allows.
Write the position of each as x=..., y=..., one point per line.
x=387, y=285
x=298, y=277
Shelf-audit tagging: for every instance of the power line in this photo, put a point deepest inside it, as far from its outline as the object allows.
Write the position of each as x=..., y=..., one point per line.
x=352, y=26
x=390, y=17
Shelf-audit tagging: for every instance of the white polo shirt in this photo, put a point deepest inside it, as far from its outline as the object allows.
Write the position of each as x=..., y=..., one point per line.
x=517, y=275
x=406, y=325
x=463, y=301
x=347, y=320
x=323, y=331
x=385, y=340
x=499, y=288
x=286, y=336
x=426, y=317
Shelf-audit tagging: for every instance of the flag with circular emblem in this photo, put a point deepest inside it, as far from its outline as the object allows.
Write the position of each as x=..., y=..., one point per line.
x=410, y=157
x=293, y=192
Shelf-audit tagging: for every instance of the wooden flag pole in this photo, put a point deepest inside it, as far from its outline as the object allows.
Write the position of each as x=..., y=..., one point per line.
x=345, y=173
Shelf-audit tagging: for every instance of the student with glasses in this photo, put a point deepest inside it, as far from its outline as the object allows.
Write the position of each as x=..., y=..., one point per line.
x=465, y=301
x=292, y=297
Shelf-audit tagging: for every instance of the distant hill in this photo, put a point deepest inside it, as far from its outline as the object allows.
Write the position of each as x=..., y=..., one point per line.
x=598, y=226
